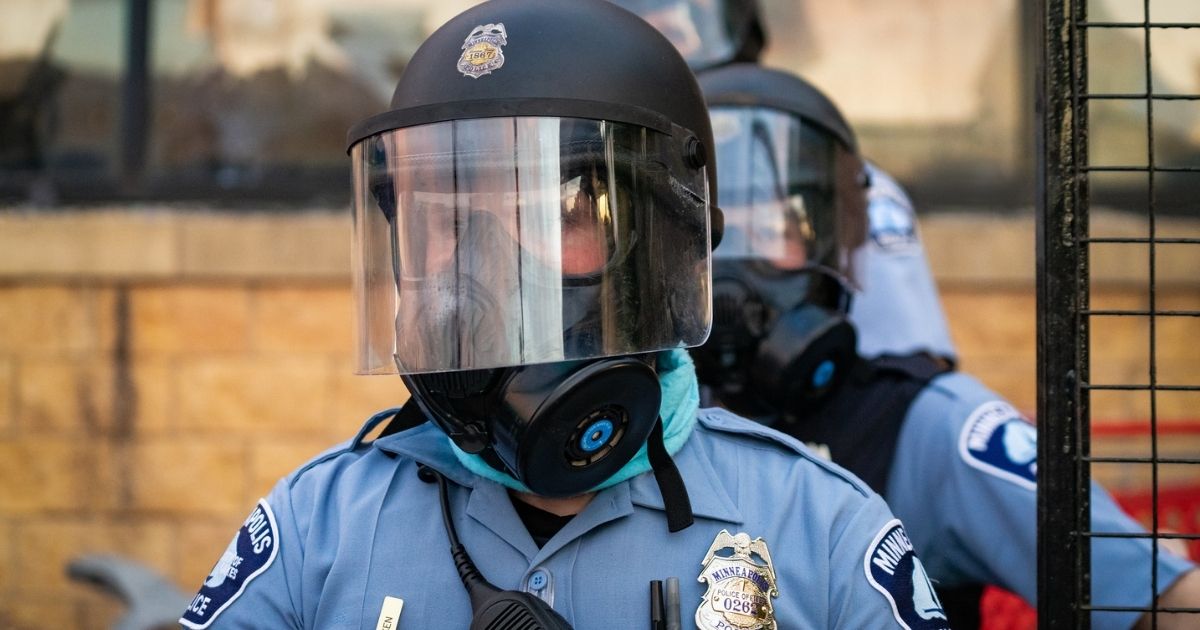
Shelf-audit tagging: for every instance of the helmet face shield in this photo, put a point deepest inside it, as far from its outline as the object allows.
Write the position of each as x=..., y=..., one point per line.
x=703, y=31
x=791, y=193
x=496, y=242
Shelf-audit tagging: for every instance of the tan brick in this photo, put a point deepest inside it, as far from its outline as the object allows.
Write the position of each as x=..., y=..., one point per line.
x=957, y=253
x=1119, y=406
x=8, y=399
x=157, y=390
x=38, y=475
x=47, y=545
x=1119, y=339
x=197, y=319
x=1180, y=405
x=188, y=477
x=271, y=460
x=1176, y=264
x=107, y=244
x=1014, y=380
x=992, y=325
x=1178, y=338
x=307, y=245
x=1188, y=299
x=201, y=542
x=316, y=319
x=49, y=319
x=258, y=396
x=66, y=396
x=1119, y=298
x=8, y=559
x=38, y=613
x=1179, y=371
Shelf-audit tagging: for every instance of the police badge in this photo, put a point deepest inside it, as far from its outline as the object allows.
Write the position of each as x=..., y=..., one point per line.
x=739, y=587
x=482, y=50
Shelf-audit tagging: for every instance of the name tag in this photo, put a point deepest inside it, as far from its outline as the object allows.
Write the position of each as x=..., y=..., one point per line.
x=389, y=615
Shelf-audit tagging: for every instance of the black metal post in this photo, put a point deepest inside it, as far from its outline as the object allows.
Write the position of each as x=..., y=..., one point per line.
x=135, y=112
x=1062, y=333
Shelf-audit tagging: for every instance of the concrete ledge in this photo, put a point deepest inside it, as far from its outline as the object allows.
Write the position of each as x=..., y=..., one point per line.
x=161, y=243
x=147, y=243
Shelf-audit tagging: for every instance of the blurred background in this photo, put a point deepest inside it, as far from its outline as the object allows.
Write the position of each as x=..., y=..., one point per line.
x=175, y=307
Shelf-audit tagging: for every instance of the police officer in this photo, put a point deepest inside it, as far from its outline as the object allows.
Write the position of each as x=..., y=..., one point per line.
x=953, y=460
x=977, y=452
x=532, y=230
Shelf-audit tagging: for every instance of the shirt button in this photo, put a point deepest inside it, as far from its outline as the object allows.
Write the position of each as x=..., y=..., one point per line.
x=539, y=579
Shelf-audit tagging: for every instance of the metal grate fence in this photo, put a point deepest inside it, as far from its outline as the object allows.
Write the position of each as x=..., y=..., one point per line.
x=1083, y=156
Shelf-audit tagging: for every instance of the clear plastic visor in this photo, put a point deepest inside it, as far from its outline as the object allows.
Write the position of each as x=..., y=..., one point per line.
x=699, y=29
x=510, y=241
x=792, y=195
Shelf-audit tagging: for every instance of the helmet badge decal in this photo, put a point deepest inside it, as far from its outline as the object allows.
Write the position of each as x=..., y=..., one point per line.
x=482, y=50
x=740, y=587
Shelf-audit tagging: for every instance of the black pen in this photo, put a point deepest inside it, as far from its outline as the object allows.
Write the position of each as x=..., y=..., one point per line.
x=656, y=606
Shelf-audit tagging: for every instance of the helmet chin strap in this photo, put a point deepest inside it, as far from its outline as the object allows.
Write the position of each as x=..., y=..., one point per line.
x=676, y=502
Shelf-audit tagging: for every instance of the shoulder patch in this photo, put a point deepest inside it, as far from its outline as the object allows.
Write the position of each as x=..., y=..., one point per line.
x=998, y=440
x=895, y=571
x=251, y=552
x=892, y=225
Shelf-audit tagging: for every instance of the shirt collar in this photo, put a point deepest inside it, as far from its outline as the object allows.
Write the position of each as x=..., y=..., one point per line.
x=710, y=494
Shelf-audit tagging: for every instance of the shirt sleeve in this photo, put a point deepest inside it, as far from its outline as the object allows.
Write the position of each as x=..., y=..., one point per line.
x=1121, y=567
x=876, y=579
x=965, y=476
x=254, y=582
x=973, y=507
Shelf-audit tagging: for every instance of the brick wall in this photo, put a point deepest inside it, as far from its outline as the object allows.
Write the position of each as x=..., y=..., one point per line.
x=160, y=370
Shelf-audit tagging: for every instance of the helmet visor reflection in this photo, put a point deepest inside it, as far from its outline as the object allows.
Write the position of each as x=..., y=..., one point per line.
x=700, y=29
x=777, y=187
x=509, y=241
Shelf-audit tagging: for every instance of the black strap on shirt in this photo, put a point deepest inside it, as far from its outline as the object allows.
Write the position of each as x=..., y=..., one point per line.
x=409, y=416
x=860, y=423
x=676, y=502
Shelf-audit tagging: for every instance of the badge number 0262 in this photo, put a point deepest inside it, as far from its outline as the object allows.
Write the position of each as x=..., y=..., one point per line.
x=740, y=587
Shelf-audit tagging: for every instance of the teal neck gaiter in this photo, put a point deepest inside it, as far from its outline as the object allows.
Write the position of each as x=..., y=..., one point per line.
x=680, y=401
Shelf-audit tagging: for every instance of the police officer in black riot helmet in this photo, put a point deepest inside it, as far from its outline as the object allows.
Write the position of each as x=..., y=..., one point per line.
x=795, y=208
x=947, y=453
x=533, y=222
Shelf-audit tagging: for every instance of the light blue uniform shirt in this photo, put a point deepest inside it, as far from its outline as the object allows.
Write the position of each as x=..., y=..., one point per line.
x=964, y=482
x=356, y=526
x=896, y=309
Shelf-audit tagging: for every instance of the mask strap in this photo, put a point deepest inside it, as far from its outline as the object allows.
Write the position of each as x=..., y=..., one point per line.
x=670, y=483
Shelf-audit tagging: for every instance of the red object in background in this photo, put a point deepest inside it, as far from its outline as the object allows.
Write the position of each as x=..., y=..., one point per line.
x=1001, y=610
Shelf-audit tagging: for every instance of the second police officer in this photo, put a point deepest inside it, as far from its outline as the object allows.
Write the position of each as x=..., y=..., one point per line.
x=533, y=230
x=951, y=457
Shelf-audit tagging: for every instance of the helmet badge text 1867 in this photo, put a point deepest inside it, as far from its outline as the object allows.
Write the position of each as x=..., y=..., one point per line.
x=482, y=50
x=740, y=586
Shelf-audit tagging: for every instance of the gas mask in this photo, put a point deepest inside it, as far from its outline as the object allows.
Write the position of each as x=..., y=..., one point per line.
x=774, y=347
x=558, y=428
x=793, y=197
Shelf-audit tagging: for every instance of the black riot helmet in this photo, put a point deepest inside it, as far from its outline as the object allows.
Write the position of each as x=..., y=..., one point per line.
x=793, y=190
x=532, y=224
x=708, y=33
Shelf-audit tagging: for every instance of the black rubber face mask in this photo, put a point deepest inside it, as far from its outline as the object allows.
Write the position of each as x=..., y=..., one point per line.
x=559, y=428
x=774, y=349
